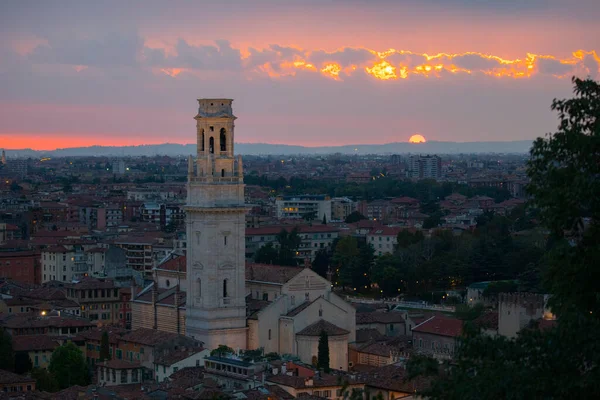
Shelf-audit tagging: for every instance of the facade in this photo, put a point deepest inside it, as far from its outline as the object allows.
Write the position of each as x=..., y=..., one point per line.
x=101, y=301
x=517, y=310
x=341, y=207
x=215, y=218
x=39, y=348
x=384, y=239
x=138, y=251
x=313, y=238
x=119, y=372
x=10, y=382
x=425, y=167
x=309, y=207
x=290, y=306
x=437, y=336
x=233, y=374
x=21, y=266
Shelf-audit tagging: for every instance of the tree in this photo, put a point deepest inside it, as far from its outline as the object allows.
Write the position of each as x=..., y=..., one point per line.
x=104, y=347
x=324, y=222
x=222, y=351
x=353, y=217
x=44, y=380
x=68, y=366
x=323, y=352
x=22, y=362
x=321, y=262
x=7, y=357
x=562, y=361
x=346, y=259
x=267, y=254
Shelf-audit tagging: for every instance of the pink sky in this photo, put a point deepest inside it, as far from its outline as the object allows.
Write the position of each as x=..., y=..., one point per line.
x=130, y=72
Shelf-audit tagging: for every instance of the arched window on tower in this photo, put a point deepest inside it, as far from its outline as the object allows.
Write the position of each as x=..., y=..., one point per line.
x=223, y=139
x=199, y=287
x=225, y=288
x=202, y=140
x=223, y=172
x=211, y=145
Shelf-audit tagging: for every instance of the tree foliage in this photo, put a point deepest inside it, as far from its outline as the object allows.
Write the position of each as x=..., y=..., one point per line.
x=563, y=361
x=104, y=347
x=44, y=380
x=282, y=254
x=7, y=357
x=68, y=366
x=222, y=351
x=22, y=362
x=323, y=352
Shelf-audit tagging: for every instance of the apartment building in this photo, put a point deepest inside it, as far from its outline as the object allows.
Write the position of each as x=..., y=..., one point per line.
x=309, y=207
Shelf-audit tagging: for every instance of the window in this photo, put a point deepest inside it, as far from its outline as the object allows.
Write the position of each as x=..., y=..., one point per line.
x=432, y=345
x=224, y=287
x=421, y=343
x=392, y=327
x=211, y=145
x=36, y=362
x=119, y=354
x=199, y=287
x=326, y=393
x=306, y=296
x=224, y=240
x=134, y=375
x=114, y=375
x=223, y=172
x=269, y=334
x=168, y=283
x=175, y=369
x=202, y=140
x=123, y=376
x=197, y=363
x=266, y=296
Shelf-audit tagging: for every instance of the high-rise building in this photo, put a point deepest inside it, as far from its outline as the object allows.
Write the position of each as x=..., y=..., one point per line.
x=215, y=218
x=425, y=167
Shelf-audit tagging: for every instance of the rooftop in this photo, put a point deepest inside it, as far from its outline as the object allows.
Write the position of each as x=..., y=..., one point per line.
x=276, y=274
x=316, y=328
x=443, y=326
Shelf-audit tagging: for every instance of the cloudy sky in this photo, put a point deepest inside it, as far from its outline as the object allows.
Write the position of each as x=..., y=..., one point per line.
x=309, y=72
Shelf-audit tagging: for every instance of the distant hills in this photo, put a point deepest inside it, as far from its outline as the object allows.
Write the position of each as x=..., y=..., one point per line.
x=169, y=149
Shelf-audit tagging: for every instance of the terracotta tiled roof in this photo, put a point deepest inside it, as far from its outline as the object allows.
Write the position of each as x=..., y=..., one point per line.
x=277, y=274
x=299, y=382
x=34, y=343
x=367, y=335
x=322, y=325
x=35, y=321
x=300, y=308
x=253, y=306
x=91, y=283
x=7, y=377
x=174, y=356
x=379, y=317
x=186, y=378
x=394, y=378
x=149, y=337
x=174, y=264
x=405, y=200
x=120, y=364
x=438, y=325
x=114, y=334
x=276, y=229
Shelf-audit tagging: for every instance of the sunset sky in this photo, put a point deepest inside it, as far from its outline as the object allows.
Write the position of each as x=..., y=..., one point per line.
x=78, y=73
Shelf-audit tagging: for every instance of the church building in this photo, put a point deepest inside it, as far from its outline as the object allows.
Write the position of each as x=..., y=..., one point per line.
x=211, y=294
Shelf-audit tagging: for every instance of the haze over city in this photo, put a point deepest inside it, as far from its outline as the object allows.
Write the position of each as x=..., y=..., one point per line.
x=308, y=73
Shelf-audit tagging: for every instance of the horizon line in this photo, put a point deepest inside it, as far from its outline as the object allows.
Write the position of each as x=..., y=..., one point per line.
x=268, y=144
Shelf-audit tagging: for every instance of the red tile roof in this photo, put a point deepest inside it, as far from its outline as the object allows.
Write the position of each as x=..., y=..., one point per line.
x=174, y=264
x=322, y=325
x=120, y=364
x=442, y=326
x=34, y=343
x=379, y=317
x=277, y=274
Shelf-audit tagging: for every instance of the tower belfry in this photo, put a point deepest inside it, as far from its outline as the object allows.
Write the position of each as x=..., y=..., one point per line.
x=216, y=244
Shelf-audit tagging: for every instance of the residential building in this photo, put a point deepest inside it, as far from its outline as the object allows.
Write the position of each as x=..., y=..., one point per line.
x=313, y=238
x=39, y=348
x=425, y=167
x=101, y=301
x=341, y=207
x=437, y=336
x=232, y=374
x=389, y=323
x=170, y=362
x=118, y=372
x=324, y=385
x=51, y=324
x=308, y=207
x=13, y=383
x=22, y=266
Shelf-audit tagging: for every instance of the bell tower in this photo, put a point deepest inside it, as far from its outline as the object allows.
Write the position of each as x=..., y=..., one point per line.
x=216, y=228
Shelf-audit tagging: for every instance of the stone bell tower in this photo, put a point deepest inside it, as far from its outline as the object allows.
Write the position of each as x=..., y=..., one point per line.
x=216, y=227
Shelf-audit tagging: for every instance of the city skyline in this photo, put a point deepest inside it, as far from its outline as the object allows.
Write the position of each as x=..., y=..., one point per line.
x=301, y=73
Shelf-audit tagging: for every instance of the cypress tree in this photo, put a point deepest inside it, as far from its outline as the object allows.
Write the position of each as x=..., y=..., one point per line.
x=323, y=355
